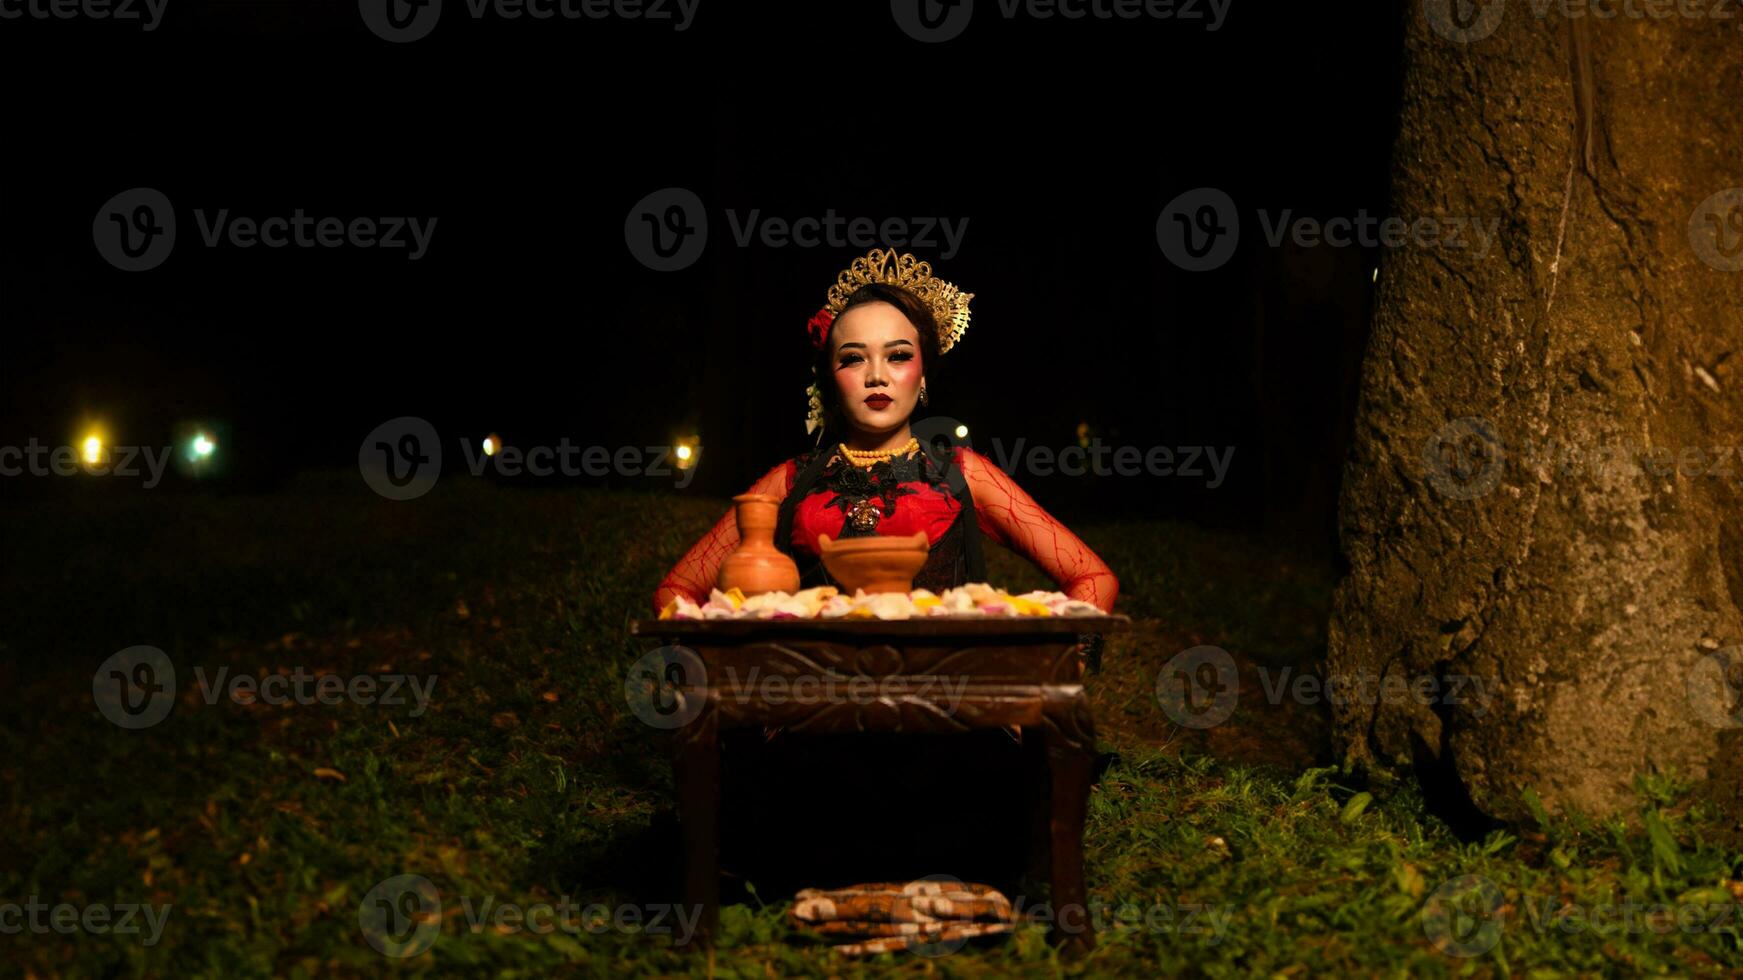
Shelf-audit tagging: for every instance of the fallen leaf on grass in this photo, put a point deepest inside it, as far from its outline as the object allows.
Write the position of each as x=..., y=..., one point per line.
x=325, y=773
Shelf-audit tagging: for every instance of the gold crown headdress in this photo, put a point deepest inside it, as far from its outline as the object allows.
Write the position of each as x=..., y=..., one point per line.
x=949, y=305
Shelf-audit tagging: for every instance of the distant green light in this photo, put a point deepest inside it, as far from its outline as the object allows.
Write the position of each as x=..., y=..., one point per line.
x=203, y=446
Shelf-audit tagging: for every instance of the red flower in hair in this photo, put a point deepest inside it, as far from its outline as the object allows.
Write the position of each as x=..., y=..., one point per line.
x=818, y=328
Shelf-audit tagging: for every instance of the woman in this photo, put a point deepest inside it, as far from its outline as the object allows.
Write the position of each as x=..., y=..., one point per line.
x=876, y=344
x=832, y=809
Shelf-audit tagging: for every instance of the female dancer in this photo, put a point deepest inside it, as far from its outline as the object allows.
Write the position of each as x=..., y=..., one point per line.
x=882, y=334
x=829, y=809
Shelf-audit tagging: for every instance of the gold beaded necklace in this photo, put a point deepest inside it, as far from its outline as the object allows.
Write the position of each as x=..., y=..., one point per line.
x=869, y=457
x=862, y=509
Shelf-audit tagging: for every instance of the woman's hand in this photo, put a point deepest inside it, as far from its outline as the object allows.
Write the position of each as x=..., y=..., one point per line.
x=1012, y=518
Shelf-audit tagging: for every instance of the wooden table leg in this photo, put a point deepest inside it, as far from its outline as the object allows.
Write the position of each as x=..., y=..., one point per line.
x=698, y=812
x=1071, y=765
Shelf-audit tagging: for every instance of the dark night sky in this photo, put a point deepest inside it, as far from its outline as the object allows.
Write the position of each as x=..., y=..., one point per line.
x=1059, y=142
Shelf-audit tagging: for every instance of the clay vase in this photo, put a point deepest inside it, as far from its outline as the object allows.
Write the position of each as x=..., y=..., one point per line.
x=880, y=563
x=756, y=565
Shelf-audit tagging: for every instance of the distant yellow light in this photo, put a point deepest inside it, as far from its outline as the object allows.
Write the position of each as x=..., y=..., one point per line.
x=490, y=446
x=962, y=432
x=203, y=446
x=93, y=449
x=687, y=449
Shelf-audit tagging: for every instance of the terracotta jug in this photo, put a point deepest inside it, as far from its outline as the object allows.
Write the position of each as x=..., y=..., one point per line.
x=756, y=565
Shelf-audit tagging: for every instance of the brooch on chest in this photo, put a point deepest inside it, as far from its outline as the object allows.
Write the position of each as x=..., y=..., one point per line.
x=867, y=494
x=864, y=514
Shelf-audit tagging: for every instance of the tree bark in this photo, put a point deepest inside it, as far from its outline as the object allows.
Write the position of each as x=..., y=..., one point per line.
x=1540, y=510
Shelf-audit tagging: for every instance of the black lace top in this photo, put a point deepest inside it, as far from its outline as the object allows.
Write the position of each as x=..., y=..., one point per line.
x=923, y=491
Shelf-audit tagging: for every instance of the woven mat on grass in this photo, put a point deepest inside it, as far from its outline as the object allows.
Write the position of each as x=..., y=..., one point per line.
x=885, y=916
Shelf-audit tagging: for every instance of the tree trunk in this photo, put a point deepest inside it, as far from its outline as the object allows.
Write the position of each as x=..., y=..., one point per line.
x=1541, y=505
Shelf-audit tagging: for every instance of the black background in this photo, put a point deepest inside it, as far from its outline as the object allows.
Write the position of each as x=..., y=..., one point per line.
x=1059, y=141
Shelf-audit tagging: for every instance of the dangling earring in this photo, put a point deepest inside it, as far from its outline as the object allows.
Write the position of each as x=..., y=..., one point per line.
x=922, y=391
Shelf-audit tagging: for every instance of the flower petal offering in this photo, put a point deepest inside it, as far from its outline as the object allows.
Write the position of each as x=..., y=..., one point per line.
x=828, y=602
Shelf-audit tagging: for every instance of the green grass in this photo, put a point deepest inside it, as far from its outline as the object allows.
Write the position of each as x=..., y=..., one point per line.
x=528, y=779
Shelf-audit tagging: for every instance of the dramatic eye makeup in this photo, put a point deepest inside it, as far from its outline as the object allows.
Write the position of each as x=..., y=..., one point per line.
x=901, y=352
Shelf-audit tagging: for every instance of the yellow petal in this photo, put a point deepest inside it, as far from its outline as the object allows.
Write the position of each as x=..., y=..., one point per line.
x=735, y=596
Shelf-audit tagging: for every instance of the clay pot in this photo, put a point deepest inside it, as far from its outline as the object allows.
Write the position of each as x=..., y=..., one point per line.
x=880, y=563
x=756, y=565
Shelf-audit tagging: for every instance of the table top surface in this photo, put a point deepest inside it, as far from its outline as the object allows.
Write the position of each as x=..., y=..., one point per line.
x=1000, y=626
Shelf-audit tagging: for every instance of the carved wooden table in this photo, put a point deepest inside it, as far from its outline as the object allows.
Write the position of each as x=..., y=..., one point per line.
x=928, y=674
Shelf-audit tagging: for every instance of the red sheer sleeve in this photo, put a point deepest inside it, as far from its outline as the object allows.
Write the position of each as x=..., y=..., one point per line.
x=1011, y=517
x=696, y=572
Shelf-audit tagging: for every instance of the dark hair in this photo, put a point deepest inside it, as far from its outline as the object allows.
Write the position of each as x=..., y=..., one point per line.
x=917, y=312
